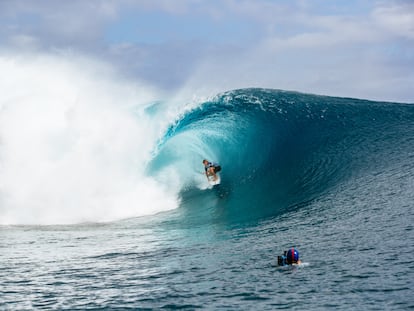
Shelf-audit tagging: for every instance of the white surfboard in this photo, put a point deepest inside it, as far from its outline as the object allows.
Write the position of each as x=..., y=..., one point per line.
x=213, y=182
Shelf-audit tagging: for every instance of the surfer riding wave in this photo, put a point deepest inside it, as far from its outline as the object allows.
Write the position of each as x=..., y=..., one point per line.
x=211, y=170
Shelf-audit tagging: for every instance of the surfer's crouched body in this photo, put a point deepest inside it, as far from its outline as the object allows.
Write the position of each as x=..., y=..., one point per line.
x=211, y=169
x=290, y=257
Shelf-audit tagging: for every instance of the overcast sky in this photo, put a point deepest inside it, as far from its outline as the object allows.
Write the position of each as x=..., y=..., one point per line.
x=347, y=48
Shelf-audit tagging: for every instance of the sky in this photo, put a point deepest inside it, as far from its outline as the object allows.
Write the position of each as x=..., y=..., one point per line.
x=349, y=48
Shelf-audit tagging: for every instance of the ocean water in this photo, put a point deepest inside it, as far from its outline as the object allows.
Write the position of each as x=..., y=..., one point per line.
x=333, y=177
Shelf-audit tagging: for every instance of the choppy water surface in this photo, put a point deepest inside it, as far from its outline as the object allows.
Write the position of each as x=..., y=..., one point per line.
x=357, y=248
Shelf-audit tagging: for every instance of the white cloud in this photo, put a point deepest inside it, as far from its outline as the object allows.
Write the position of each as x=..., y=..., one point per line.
x=397, y=20
x=55, y=23
x=342, y=55
x=285, y=44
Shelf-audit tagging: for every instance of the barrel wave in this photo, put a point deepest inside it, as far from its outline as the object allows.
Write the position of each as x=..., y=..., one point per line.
x=279, y=150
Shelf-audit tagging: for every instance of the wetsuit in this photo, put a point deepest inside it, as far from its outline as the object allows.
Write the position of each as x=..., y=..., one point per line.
x=216, y=167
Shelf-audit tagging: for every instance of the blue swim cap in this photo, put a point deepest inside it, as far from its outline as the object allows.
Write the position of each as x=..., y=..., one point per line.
x=292, y=256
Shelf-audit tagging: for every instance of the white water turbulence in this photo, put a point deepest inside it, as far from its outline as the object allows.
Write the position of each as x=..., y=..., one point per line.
x=74, y=142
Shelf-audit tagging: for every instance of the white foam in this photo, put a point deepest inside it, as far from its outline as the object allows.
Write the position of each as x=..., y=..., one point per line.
x=74, y=142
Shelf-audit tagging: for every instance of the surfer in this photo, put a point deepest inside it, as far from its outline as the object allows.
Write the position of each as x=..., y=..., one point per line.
x=290, y=257
x=211, y=169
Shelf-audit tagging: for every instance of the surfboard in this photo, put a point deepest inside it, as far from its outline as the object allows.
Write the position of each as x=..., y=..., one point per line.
x=213, y=182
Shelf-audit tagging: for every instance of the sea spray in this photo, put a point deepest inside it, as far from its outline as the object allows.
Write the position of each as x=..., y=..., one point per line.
x=74, y=142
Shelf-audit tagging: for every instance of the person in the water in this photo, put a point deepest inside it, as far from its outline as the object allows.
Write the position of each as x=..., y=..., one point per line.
x=290, y=257
x=211, y=169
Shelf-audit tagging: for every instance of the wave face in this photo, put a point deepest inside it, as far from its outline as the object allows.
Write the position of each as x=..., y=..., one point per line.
x=279, y=150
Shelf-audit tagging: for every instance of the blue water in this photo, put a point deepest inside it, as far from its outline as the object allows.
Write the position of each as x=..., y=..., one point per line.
x=333, y=177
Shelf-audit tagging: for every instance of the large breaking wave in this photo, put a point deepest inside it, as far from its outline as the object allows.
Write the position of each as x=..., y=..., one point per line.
x=280, y=150
x=80, y=146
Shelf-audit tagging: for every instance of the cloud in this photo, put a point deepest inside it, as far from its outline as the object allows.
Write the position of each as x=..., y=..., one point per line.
x=396, y=20
x=302, y=45
x=55, y=23
x=334, y=54
x=24, y=41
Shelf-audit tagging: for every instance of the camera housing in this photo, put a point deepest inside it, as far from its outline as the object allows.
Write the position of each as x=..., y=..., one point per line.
x=282, y=260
